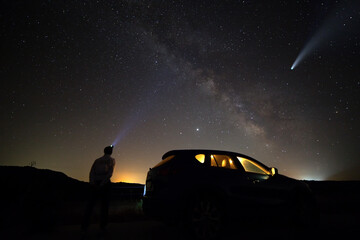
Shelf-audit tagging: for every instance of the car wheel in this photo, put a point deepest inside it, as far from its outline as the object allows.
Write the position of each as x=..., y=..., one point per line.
x=305, y=210
x=205, y=218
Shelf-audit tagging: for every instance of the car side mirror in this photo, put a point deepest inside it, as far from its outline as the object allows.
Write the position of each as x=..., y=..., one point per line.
x=274, y=171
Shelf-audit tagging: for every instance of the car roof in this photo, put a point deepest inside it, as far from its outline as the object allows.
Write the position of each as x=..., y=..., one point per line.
x=203, y=151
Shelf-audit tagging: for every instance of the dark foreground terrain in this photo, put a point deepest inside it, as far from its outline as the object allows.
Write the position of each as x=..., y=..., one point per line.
x=43, y=204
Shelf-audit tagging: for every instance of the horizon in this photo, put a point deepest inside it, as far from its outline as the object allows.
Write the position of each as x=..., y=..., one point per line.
x=124, y=180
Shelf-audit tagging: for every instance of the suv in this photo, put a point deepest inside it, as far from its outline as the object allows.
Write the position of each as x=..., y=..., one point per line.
x=205, y=188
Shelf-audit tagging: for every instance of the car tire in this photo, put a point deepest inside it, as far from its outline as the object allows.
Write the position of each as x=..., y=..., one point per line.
x=305, y=212
x=205, y=217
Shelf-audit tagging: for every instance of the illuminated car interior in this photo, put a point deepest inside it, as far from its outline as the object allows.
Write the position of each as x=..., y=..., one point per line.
x=253, y=167
x=200, y=158
x=223, y=161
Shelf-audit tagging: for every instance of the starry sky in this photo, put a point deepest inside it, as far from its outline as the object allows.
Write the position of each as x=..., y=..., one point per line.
x=152, y=76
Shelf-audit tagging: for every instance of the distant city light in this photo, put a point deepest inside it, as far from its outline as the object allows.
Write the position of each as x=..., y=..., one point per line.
x=314, y=178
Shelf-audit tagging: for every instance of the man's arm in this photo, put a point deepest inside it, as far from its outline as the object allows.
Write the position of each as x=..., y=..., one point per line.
x=110, y=172
x=92, y=174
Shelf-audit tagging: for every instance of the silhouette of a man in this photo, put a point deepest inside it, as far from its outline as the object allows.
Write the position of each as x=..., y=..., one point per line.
x=100, y=174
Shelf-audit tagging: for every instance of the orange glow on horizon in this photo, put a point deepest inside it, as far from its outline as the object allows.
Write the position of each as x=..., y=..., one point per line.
x=128, y=177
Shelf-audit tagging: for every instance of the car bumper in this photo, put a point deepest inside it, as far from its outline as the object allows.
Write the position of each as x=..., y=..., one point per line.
x=160, y=208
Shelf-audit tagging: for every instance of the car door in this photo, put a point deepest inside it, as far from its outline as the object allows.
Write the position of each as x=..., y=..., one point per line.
x=224, y=174
x=258, y=184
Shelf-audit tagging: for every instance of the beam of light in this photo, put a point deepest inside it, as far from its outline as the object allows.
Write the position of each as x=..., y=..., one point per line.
x=131, y=122
x=122, y=134
x=141, y=111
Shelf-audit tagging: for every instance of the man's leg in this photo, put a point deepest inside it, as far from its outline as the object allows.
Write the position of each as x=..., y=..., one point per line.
x=105, y=199
x=88, y=210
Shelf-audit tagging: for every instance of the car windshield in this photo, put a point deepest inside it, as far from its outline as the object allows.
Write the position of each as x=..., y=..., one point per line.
x=254, y=166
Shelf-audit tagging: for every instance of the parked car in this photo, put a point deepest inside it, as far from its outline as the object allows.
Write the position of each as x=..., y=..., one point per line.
x=203, y=189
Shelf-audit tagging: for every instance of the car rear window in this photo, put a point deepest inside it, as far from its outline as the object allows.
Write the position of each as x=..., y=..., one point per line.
x=167, y=159
x=200, y=158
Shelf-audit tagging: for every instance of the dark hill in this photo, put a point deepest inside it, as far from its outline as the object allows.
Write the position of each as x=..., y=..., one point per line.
x=337, y=196
x=21, y=181
x=352, y=172
x=39, y=197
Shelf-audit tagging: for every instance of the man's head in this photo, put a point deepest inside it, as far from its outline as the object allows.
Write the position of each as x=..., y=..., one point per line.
x=108, y=150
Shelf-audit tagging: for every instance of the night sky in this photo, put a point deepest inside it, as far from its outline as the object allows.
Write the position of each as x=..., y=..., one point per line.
x=152, y=76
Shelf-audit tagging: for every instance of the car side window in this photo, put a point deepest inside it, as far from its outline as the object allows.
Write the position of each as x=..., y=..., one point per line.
x=223, y=161
x=253, y=167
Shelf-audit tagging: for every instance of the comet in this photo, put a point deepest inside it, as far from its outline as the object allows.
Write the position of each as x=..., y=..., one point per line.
x=313, y=44
x=325, y=33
